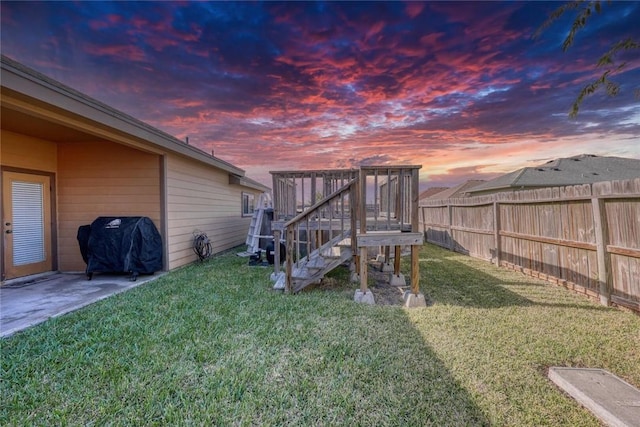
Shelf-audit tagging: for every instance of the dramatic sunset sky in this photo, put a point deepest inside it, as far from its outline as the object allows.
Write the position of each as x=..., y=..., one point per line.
x=458, y=87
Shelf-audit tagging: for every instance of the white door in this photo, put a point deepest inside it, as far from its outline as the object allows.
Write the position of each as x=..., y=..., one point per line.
x=26, y=224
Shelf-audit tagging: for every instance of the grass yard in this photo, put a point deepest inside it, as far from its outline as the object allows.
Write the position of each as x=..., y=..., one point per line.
x=212, y=344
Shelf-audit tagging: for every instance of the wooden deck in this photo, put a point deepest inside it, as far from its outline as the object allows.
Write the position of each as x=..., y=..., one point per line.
x=327, y=217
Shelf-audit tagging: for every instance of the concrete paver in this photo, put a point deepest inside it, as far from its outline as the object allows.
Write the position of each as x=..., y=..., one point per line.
x=614, y=401
x=55, y=295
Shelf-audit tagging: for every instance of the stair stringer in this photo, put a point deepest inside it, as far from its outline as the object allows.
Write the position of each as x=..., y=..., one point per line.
x=313, y=268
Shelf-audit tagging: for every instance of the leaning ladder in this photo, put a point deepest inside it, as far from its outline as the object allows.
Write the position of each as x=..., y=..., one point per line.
x=254, y=236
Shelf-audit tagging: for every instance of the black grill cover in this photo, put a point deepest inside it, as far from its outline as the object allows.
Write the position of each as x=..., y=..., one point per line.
x=123, y=244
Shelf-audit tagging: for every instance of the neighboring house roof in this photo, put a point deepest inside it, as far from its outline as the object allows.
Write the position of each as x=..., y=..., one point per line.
x=459, y=190
x=581, y=169
x=431, y=191
x=27, y=82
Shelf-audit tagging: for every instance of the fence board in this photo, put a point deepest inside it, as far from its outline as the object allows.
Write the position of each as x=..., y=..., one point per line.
x=551, y=233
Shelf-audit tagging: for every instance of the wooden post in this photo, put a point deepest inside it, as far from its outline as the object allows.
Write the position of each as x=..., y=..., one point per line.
x=289, y=271
x=286, y=198
x=496, y=233
x=363, y=269
x=276, y=252
x=375, y=201
x=362, y=201
x=415, y=198
x=302, y=185
x=314, y=190
x=387, y=254
x=353, y=201
x=295, y=198
x=276, y=197
x=388, y=199
x=415, y=227
x=415, y=270
x=452, y=244
x=400, y=195
x=396, y=260
x=602, y=238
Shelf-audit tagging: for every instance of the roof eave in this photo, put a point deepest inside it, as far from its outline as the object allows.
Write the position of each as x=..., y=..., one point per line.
x=247, y=182
x=32, y=84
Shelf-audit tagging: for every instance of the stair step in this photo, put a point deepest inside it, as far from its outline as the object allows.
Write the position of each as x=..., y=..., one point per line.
x=345, y=243
x=321, y=261
x=317, y=263
x=332, y=252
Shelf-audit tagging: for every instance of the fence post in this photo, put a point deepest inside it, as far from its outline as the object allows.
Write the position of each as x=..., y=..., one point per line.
x=602, y=238
x=452, y=245
x=496, y=232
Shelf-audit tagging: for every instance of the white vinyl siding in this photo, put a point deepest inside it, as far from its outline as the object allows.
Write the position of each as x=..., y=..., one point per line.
x=200, y=198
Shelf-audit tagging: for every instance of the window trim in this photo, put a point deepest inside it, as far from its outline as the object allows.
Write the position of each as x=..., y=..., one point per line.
x=250, y=205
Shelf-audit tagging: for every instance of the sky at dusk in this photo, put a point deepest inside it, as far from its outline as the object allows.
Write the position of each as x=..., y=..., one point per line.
x=460, y=88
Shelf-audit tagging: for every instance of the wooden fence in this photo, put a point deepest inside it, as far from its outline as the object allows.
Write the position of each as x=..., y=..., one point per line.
x=584, y=237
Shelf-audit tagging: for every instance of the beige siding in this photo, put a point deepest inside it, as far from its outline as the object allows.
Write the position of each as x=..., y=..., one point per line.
x=102, y=179
x=200, y=198
x=108, y=179
x=20, y=151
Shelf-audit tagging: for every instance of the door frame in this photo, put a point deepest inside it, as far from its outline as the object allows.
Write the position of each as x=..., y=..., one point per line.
x=53, y=250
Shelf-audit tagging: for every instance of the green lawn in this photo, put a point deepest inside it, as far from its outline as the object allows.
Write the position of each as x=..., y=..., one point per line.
x=212, y=344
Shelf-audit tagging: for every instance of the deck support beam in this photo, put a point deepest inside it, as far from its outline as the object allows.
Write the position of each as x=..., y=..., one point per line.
x=364, y=295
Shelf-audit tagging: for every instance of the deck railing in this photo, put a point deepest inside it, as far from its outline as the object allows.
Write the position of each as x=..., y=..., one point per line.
x=389, y=197
x=296, y=191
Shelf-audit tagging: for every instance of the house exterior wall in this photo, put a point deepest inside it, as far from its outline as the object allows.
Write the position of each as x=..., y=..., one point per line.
x=25, y=152
x=201, y=198
x=102, y=179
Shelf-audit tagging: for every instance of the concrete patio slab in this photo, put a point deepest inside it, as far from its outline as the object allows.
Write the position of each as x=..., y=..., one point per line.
x=44, y=297
x=614, y=401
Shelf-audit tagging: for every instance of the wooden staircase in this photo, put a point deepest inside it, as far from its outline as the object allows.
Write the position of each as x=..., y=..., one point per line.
x=318, y=239
x=321, y=261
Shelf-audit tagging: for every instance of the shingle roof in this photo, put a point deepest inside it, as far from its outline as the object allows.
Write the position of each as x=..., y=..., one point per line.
x=459, y=190
x=431, y=191
x=581, y=169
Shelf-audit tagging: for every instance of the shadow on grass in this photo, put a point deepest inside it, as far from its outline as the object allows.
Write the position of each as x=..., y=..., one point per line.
x=373, y=362
x=209, y=345
x=446, y=279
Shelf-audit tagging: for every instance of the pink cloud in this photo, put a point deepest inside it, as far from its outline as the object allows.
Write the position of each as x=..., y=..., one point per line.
x=414, y=9
x=122, y=52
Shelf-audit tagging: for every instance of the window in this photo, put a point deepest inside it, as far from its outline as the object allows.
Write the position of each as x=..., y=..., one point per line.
x=248, y=204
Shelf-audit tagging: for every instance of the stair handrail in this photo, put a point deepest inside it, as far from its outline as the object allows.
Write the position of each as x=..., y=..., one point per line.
x=293, y=225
